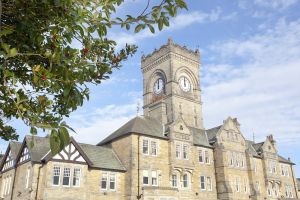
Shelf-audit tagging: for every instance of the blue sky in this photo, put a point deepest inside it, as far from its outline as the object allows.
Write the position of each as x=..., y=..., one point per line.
x=250, y=69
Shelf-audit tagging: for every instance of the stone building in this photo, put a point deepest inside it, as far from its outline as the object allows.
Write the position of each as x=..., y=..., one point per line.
x=166, y=154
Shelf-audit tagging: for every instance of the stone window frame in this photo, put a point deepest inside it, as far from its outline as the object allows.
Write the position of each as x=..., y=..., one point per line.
x=181, y=146
x=175, y=180
x=238, y=184
x=209, y=184
x=75, y=177
x=108, y=175
x=202, y=183
x=28, y=172
x=67, y=173
x=187, y=181
x=149, y=177
x=6, y=185
x=61, y=175
x=150, y=141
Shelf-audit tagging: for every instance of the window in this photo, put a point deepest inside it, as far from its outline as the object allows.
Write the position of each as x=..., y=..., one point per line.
x=209, y=183
x=76, y=177
x=207, y=161
x=237, y=160
x=56, y=175
x=8, y=185
x=185, y=151
x=145, y=147
x=257, y=186
x=201, y=156
x=145, y=177
x=288, y=191
x=154, y=178
x=153, y=148
x=112, y=181
x=245, y=185
x=276, y=190
x=27, y=178
x=242, y=161
x=185, y=181
x=174, y=180
x=66, y=178
x=104, y=181
x=178, y=152
x=270, y=189
x=255, y=166
x=202, y=183
x=282, y=170
x=237, y=184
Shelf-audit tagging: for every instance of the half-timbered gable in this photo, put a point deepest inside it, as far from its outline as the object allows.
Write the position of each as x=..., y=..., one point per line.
x=9, y=158
x=71, y=153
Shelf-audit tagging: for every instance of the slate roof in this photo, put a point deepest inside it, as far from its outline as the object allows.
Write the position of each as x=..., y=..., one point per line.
x=102, y=157
x=212, y=132
x=199, y=137
x=140, y=124
x=41, y=146
x=284, y=160
x=15, y=147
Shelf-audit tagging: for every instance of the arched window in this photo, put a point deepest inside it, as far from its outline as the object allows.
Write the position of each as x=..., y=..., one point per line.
x=185, y=180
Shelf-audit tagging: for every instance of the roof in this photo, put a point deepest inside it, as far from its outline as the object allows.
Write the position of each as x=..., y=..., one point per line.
x=199, y=137
x=284, y=160
x=99, y=157
x=15, y=147
x=102, y=157
x=250, y=148
x=141, y=124
x=212, y=132
x=257, y=146
x=40, y=147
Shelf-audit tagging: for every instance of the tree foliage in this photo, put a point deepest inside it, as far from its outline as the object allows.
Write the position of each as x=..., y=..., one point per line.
x=43, y=75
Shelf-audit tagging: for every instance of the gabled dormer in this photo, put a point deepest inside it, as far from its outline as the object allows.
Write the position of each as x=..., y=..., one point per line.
x=180, y=131
x=71, y=153
x=227, y=135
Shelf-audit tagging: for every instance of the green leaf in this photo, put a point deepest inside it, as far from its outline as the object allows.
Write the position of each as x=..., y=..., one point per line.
x=64, y=136
x=54, y=142
x=151, y=28
x=33, y=131
x=139, y=27
x=12, y=52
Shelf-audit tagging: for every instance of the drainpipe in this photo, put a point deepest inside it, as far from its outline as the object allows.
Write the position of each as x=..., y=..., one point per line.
x=292, y=169
x=139, y=196
x=13, y=185
x=38, y=181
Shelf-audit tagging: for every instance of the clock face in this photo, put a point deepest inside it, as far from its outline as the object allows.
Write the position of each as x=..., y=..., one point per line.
x=184, y=84
x=158, y=86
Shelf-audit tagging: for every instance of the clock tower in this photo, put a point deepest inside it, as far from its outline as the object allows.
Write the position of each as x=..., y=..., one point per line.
x=172, y=85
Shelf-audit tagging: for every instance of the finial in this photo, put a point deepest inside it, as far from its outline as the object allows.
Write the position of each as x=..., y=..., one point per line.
x=253, y=136
x=138, y=109
x=170, y=40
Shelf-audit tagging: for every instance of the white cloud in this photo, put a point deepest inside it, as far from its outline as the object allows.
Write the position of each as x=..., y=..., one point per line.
x=179, y=22
x=94, y=125
x=276, y=4
x=262, y=90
